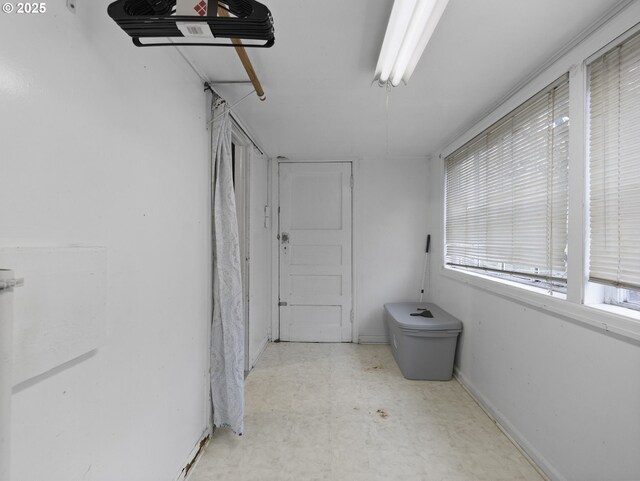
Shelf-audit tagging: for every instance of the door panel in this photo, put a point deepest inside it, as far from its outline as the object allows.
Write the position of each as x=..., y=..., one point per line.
x=316, y=255
x=315, y=251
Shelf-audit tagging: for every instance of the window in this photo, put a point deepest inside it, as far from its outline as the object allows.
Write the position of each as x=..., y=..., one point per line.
x=626, y=298
x=614, y=169
x=508, y=191
x=506, y=194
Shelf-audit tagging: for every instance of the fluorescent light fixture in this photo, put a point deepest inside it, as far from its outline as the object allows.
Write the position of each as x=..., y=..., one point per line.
x=411, y=25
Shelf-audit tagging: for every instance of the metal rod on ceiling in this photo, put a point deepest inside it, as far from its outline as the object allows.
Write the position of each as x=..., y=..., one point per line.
x=232, y=82
x=244, y=58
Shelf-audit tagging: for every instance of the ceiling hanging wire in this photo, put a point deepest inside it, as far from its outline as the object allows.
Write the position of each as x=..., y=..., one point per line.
x=190, y=64
x=387, y=118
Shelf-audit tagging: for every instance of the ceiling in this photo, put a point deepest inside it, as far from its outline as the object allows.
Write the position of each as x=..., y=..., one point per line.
x=321, y=103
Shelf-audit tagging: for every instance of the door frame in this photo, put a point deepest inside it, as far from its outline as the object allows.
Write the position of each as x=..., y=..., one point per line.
x=242, y=189
x=275, y=245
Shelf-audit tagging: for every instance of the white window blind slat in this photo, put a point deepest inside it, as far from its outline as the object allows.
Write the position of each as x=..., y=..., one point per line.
x=614, y=166
x=506, y=192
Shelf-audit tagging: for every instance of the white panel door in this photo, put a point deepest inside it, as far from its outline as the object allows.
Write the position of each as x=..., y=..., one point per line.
x=315, y=251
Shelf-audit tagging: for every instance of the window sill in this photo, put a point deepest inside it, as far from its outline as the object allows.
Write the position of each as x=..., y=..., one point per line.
x=617, y=310
x=498, y=284
x=604, y=317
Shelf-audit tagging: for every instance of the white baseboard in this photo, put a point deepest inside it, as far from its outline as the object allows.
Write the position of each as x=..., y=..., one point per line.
x=364, y=339
x=194, y=456
x=539, y=462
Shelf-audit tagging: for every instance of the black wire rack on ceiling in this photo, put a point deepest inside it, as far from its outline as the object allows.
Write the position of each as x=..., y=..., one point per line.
x=151, y=22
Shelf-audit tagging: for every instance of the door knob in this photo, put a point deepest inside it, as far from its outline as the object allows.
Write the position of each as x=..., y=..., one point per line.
x=284, y=238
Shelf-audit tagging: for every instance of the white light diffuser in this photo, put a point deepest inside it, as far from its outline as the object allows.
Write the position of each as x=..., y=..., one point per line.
x=410, y=27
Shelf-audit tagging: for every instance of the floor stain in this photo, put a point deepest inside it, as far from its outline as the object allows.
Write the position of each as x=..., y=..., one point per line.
x=382, y=413
x=375, y=368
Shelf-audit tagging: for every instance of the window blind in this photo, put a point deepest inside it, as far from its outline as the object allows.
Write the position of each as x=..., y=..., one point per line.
x=506, y=192
x=614, y=153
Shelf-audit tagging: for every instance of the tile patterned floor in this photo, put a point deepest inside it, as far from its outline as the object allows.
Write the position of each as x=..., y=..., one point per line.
x=336, y=412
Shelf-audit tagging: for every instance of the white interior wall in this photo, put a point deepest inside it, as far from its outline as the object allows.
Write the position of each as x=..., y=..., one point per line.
x=390, y=236
x=104, y=144
x=566, y=391
x=568, y=394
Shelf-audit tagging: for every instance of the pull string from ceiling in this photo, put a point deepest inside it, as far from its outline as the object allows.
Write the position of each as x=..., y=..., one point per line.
x=387, y=117
x=387, y=86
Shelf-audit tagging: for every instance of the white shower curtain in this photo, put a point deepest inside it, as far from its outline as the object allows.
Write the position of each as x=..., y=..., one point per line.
x=227, y=330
